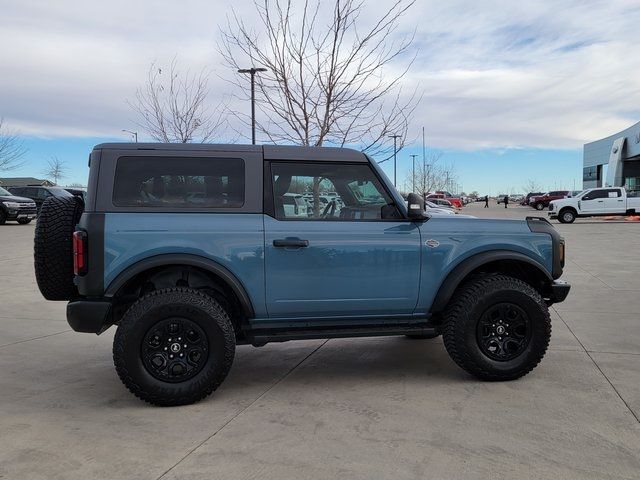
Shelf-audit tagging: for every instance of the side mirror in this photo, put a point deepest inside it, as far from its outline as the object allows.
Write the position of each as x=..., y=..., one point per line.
x=415, y=207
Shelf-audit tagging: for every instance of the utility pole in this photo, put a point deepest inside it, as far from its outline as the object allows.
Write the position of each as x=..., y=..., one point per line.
x=252, y=71
x=135, y=134
x=413, y=175
x=395, y=151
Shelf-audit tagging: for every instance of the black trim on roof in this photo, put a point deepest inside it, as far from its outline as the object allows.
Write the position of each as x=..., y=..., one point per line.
x=270, y=152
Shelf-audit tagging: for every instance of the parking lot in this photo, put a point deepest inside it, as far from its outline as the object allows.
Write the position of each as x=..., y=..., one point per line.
x=370, y=408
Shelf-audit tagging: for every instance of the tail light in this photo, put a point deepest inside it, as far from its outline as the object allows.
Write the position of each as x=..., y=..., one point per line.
x=80, y=252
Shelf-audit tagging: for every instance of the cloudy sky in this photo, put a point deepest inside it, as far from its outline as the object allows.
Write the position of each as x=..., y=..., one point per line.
x=512, y=90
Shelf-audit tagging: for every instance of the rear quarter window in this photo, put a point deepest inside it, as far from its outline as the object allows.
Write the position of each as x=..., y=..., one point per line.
x=178, y=182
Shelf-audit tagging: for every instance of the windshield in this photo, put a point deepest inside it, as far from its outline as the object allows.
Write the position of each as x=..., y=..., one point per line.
x=5, y=192
x=60, y=192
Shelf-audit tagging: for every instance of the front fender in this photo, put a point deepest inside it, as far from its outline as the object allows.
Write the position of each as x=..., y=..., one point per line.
x=465, y=267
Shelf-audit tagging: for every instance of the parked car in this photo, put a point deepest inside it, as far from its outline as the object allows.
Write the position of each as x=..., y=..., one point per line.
x=14, y=208
x=78, y=192
x=294, y=205
x=542, y=202
x=39, y=193
x=431, y=207
x=455, y=201
x=441, y=199
x=500, y=198
x=187, y=282
x=527, y=197
x=442, y=203
x=594, y=202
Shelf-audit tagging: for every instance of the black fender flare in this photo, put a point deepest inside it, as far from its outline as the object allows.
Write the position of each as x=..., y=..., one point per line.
x=464, y=268
x=189, y=260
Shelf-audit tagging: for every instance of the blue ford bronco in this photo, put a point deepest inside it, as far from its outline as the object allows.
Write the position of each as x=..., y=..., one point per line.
x=193, y=249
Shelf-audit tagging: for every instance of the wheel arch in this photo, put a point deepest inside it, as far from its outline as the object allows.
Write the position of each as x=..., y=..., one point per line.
x=568, y=207
x=223, y=275
x=508, y=262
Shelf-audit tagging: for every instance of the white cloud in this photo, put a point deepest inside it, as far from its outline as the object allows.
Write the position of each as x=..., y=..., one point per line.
x=495, y=73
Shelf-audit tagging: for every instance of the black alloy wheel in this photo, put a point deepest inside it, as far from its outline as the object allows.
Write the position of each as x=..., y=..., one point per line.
x=503, y=331
x=175, y=350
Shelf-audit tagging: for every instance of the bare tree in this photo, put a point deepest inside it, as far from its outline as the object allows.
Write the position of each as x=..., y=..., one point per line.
x=173, y=108
x=56, y=169
x=531, y=186
x=326, y=84
x=431, y=175
x=12, y=149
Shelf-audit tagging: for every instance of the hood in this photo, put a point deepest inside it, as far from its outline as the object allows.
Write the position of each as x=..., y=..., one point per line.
x=13, y=198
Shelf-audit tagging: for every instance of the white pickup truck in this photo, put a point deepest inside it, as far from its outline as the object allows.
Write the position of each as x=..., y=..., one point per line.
x=594, y=202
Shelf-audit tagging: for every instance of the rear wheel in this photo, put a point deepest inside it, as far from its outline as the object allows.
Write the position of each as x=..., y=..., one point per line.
x=567, y=216
x=174, y=346
x=497, y=327
x=539, y=206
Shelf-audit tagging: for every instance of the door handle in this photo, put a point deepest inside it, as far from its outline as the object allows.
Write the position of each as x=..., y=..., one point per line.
x=291, y=242
x=600, y=201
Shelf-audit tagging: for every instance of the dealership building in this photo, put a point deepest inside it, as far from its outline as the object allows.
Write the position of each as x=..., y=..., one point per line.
x=614, y=161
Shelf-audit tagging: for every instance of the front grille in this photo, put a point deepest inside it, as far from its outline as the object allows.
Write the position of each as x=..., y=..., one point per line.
x=27, y=208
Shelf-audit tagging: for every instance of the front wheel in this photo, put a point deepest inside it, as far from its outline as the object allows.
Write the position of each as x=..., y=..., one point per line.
x=497, y=327
x=174, y=346
x=567, y=216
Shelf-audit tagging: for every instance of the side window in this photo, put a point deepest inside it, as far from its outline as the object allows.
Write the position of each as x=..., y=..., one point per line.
x=596, y=194
x=43, y=193
x=329, y=191
x=613, y=193
x=177, y=182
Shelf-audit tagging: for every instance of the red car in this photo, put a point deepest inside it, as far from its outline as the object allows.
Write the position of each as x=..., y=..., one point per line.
x=456, y=202
x=542, y=202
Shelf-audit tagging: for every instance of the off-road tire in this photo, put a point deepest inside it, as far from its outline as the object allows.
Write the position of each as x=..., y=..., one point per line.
x=53, y=247
x=567, y=216
x=24, y=221
x=156, y=307
x=466, y=308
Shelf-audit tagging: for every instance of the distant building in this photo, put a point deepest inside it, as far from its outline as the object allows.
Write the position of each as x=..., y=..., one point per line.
x=613, y=161
x=24, y=181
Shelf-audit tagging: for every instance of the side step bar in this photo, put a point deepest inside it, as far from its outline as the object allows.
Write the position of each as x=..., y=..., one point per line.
x=260, y=337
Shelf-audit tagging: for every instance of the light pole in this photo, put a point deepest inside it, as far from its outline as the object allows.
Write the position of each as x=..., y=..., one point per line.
x=413, y=176
x=135, y=134
x=395, y=151
x=252, y=71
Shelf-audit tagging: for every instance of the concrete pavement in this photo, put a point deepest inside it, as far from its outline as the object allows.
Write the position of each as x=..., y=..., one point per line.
x=350, y=408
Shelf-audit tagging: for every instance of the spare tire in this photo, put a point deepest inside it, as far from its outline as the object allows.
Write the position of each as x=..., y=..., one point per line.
x=53, y=247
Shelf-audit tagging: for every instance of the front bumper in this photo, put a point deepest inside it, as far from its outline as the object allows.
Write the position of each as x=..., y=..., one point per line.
x=559, y=291
x=89, y=316
x=20, y=213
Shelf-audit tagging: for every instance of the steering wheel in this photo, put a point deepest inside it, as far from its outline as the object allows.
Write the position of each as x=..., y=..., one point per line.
x=330, y=209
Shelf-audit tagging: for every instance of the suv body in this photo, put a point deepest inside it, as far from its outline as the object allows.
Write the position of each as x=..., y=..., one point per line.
x=456, y=202
x=14, y=208
x=542, y=202
x=364, y=266
x=594, y=202
x=39, y=193
x=528, y=196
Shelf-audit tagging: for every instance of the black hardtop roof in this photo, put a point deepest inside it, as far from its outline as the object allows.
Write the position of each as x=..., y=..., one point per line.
x=270, y=152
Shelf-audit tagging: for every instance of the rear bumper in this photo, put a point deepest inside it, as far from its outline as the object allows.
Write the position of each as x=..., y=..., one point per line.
x=89, y=316
x=559, y=291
